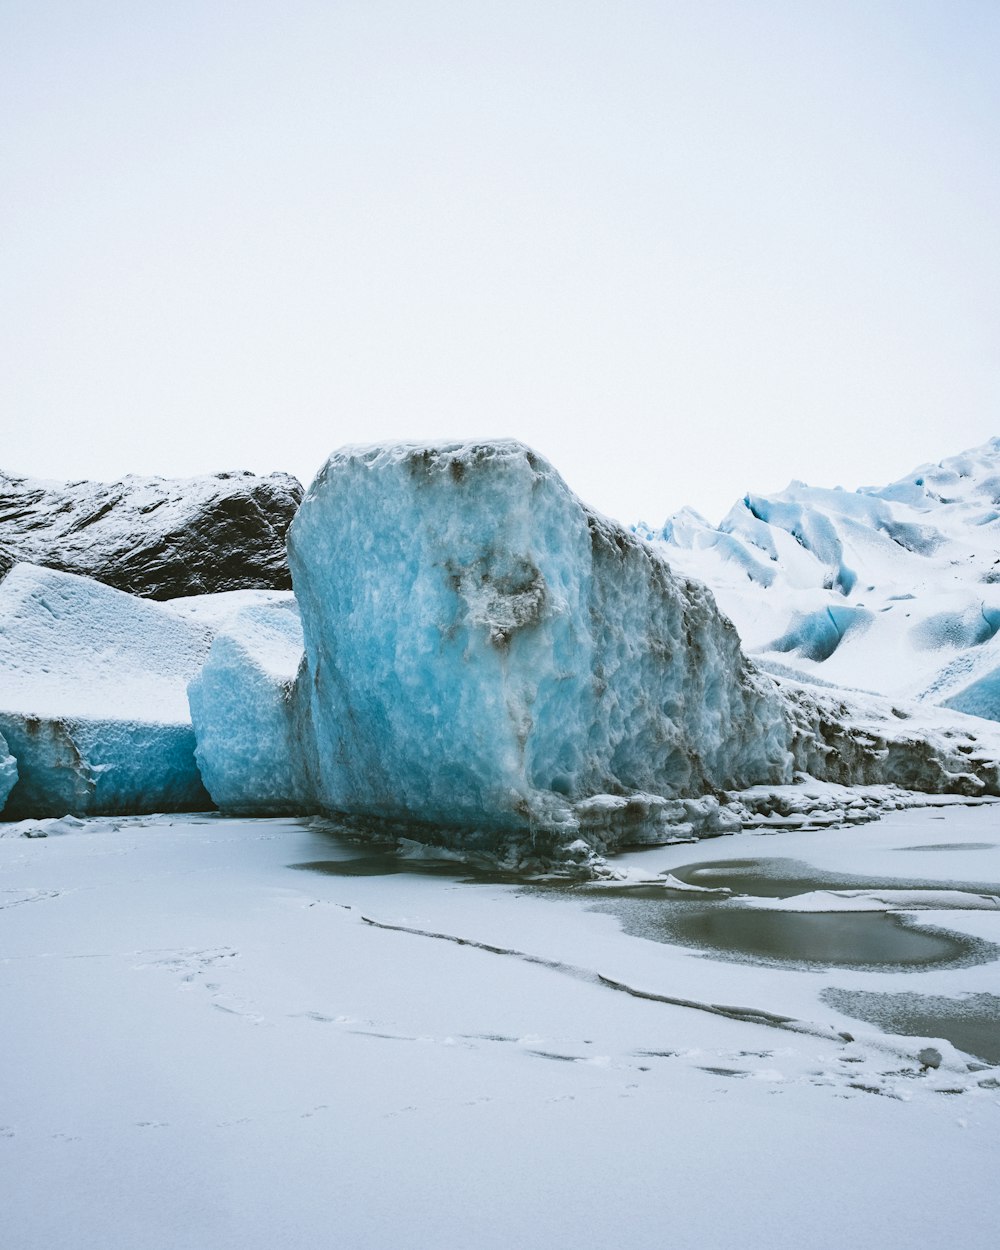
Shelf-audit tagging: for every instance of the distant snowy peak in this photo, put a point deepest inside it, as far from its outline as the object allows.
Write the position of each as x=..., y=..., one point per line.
x=156, y=537
x=833, y=538
x=893, y=588
x=971, y=478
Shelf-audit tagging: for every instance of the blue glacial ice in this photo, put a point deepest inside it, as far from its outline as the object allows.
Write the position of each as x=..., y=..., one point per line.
x=251, y=719
x=93, y=700
x=485, y=652
x=8, y=771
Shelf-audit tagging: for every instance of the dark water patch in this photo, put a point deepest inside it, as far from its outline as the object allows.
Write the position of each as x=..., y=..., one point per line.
x=970, y=1023
x=785, y=878
x=352, y=859
x=950, y=846
x=807, y=939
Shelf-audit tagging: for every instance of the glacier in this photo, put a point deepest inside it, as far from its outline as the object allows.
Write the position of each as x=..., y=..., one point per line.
x=486, y=653
x=255, y=746
x=474, y=657
x=93, y=702
x=893, y=589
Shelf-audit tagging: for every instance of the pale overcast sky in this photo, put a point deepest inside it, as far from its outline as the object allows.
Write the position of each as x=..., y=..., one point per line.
x=683, y=248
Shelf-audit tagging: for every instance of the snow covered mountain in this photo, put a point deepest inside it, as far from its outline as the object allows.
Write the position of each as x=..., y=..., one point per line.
x=159, y=538
x=891, y=589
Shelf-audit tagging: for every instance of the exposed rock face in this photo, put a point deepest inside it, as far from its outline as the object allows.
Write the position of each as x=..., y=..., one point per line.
x=155, y=537
x=484, y=652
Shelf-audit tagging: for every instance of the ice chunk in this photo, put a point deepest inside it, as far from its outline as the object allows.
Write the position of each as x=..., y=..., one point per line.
x=484, y=651
x=255, y=746
x=8, y=771
x=93, y=697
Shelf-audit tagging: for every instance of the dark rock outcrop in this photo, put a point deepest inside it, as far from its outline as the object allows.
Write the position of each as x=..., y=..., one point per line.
x=160, y=538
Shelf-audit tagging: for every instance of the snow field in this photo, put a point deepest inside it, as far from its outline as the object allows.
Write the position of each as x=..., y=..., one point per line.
x=159, y=977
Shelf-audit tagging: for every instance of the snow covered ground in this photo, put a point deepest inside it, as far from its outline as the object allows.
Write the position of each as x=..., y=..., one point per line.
x=208, y=1043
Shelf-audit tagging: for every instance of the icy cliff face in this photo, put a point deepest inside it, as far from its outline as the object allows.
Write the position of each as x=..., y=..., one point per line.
x=483, y=651
x=93, y=698
x=8, y=771
x=893, y=589
x=154, y=537
x=255, y=749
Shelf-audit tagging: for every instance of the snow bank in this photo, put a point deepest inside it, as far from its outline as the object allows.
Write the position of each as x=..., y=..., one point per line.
x=93, y=698
x=485, y=652
x=255, y=749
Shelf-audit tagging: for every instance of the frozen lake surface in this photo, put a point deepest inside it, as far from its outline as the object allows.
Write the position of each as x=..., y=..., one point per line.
x=254, y=1033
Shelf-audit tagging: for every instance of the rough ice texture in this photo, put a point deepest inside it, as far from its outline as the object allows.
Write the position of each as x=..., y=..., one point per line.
x=93, y=700
x=255, y=746
x=894, y=589
x=8, y=771
x=485, y=652
x=154, y=537
x=857, y=739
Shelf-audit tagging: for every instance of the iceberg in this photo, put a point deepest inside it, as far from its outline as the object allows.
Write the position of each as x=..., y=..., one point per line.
x=255, y=747
x=93, y=701
x=484, y=652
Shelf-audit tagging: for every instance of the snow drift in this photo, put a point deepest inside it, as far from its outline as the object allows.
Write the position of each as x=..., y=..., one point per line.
x=93, y=699
x=485, y=652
